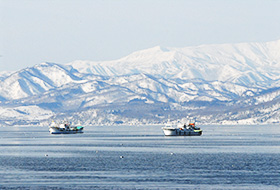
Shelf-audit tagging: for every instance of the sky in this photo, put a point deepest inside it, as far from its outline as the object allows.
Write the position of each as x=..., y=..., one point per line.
x=62, y=31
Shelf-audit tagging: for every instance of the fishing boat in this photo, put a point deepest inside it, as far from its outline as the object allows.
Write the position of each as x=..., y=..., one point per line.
x=190, y=130
x=64, y=128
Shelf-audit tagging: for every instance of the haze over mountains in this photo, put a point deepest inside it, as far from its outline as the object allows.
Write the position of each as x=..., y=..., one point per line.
x=224, y=83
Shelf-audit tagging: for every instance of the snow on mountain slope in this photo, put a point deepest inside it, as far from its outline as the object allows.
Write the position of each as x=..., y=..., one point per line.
x=265, y=96
x=141, y=87
x=4, y=74
x=36, y=80
x=23, y=115
x=244, y=63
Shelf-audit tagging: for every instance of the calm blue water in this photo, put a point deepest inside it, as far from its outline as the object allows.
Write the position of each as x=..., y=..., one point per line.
x=224, y=157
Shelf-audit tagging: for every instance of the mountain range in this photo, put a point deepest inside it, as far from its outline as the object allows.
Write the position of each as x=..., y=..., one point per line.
x=220, y=83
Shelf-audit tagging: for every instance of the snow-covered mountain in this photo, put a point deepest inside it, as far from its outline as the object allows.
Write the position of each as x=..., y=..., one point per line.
x=226, y=83
x=243, y=63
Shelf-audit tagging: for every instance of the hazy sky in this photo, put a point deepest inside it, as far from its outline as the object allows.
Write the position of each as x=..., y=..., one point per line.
x=61, y=31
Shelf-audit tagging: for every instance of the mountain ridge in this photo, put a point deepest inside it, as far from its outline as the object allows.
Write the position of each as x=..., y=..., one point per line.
x=259, y=60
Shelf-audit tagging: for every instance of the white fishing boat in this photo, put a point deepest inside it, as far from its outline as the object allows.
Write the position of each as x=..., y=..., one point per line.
x=190, y=130
x=64, y=128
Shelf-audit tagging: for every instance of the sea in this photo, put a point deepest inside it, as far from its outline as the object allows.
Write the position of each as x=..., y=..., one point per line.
x=141, y=157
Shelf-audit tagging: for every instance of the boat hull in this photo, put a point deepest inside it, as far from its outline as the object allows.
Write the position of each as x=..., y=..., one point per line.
x=56, y=130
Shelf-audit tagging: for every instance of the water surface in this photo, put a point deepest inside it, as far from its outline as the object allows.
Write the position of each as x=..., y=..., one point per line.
x=140, y=157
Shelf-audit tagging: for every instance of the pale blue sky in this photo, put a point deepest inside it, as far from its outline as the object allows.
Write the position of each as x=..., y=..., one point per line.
x=61, y=31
